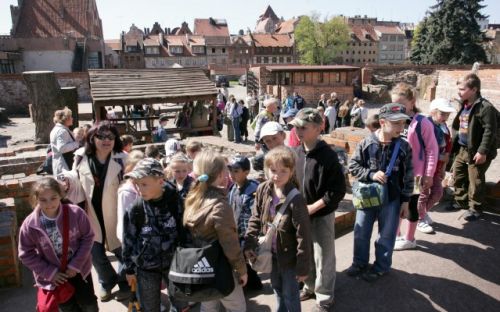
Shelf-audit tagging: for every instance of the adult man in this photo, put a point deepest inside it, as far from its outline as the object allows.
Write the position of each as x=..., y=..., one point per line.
x=474, y=146
x=298, y=101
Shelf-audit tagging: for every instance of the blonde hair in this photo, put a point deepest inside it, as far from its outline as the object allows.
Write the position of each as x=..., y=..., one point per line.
x=285, y=157
x=179, y=158
x=132, y=159
x=61, y=115
x=207, y=163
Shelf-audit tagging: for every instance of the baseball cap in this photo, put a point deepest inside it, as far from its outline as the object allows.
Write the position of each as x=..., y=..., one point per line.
x=147, y=167
x=393, y=112
x=270, y=128
x=172, y=146
x=305, y=116
x=239, y=162
x=270, y=101
x=290, y=113
x=442, y=105
x=163, y=117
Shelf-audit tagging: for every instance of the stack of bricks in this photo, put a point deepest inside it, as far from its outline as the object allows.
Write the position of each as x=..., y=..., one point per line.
x=19, y=187
x=347, y=138
x=10, y=274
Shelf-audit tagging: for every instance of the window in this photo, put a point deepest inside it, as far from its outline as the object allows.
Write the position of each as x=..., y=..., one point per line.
x=223, y=50
x=353, y=52
x=266, y=60
x=281, y=59
x=281, y=50
x=370, y=44
x=365, y=44
x=274, y=60
x=259, y=60
x=213, y=50
x=364, y=52
x=382, y=56
x=359, y=52
x=289, y=59
x=246, y=51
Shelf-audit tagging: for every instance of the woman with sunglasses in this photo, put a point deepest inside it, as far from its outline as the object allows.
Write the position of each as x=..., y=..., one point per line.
x=99, y=167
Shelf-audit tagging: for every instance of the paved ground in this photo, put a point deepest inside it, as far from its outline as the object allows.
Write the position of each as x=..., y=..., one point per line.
x=455, y=269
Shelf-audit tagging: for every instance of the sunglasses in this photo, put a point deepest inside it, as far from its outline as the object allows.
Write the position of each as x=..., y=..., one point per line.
x=102, y=137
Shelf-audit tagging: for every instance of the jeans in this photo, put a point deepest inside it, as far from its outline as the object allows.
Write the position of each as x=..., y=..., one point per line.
x=234, y=302
x=106, y=274
x=469, y=181
x=388, y=220
x=149, y=286
x=286, y=288
x=236, y=129
x=321, y=279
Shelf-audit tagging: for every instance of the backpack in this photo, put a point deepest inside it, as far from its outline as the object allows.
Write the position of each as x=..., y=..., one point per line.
x=438, y=134
x=343, y=111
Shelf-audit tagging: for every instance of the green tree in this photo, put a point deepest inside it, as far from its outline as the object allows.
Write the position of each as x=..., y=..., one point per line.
x=450, y=34
x=319, y=43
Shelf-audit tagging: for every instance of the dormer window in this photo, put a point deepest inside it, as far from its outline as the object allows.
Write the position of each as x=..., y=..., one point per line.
x=175, y=50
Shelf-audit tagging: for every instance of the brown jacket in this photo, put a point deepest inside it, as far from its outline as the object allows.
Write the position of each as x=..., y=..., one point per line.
x=293, y=242
x=215, y=220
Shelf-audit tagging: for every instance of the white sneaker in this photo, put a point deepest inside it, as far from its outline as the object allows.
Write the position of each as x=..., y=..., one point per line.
x=424, y=227
x=428, y=219
x=405, y=244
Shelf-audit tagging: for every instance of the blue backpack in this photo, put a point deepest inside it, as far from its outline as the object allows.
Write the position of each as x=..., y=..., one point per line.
x=437, y=133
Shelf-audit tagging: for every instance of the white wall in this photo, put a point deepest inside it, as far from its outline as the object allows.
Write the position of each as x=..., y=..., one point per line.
x=56, y=61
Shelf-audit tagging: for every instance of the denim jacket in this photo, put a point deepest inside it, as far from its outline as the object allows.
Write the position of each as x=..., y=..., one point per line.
x=241, y=201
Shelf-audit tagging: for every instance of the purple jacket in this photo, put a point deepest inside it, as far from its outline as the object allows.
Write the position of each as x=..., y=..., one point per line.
x=37, y=253
x=427, y=165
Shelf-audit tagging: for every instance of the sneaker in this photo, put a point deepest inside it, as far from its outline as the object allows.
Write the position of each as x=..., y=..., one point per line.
x=305, y=295
x=424, y=227
x=405, y=244
x=122, y=295
x=105, y=295
x=428, y=219
x=372, y=276
x=355, y=270
x=322, y=308
x=471, y=215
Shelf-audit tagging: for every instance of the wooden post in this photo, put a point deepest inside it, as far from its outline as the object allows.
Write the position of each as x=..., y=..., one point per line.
x=45, y=95
x=70, y=99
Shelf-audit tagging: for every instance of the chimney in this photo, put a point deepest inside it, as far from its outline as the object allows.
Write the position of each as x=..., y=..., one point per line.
x=166, y=31
x=160, y=38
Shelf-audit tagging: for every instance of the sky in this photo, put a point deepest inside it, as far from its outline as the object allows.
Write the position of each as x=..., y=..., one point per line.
x=118, y=15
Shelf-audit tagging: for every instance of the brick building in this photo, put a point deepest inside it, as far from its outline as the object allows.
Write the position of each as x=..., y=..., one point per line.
x=363, y=47
x=392, y=44
x=217, y=41
x=62, y=36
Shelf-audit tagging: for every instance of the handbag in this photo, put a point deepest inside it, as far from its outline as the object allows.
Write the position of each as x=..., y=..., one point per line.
x=264, y=259
x=49, y=300
x=200, y=273
x=373, y=195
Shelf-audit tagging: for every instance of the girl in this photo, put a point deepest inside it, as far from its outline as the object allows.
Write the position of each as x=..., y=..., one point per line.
x=424, y=159
x=291, y=246
x=209, y=217
x=41, y=246
x=440, y=110
x=179, y=167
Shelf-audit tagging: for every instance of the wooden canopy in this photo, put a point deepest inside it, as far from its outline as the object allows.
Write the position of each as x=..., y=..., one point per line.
x=149, y=86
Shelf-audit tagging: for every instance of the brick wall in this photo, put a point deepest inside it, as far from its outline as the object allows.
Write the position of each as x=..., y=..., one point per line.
x=10, y=273
x=15, y=95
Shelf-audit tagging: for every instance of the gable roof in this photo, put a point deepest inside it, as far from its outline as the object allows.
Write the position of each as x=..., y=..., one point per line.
x=288, y=26
x=388, y=30
x=272, y=40
x=113, y=44
x=211, y=27
x=363, y=33
x=269, y=13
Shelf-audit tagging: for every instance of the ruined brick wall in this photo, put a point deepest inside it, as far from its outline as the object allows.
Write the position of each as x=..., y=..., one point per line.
x=14, y=95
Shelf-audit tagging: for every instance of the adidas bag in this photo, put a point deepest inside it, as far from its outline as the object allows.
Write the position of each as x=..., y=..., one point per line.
x=200, y=274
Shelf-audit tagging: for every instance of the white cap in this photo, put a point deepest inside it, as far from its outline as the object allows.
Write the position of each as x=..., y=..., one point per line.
x=270, y=128
x=442, y=105
x=172, y=146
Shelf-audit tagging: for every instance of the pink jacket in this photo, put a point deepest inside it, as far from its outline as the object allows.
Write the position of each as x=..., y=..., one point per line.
x=427, y=165
x=36, y=251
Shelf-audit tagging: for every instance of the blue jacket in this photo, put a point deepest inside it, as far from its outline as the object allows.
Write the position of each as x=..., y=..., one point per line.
x=241, y=201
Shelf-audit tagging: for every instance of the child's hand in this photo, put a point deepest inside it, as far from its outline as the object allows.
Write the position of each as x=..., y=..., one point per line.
x=301, y=278
x=250, y=255
x=60, y=278
x=405, y=211
x=243, y=280
x=380, y=177
x=131, y=279
x=71, y=273
x=426, y=182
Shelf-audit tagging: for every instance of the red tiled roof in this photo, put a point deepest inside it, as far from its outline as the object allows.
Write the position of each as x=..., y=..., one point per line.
x=389, y=30
x=309, y=67
x=173, y=40
x=207, y=27
x=269, y=40
x=287, y=26
x=196, y=40
x=55, y=18
x=151, y=42
x=364, y=33
x=114, y=44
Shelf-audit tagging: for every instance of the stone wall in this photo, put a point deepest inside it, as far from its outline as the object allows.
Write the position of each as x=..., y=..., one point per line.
x=14, y=95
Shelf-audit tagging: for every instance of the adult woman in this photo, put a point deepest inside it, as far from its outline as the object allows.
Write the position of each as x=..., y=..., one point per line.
x=62, y=142
x=100, y=169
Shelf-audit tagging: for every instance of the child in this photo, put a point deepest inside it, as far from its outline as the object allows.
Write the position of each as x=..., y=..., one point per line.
x=179, y=168
x=331, y=114
x=159, y=134
x=193, y=147
x=79, y=134
x=440, y=110
x=291, y=252
x=128, y=142
x=372, y=123
x=152, y=151
x=359, y=114
x=208, y=217
x=271, y=105
x=41, y=246
x=321, y=111
x=172, y=146
x=151, y=232
x=323, y=186
x=369, y=163
x=127, y=192
x=245, y=116
x=241, y=199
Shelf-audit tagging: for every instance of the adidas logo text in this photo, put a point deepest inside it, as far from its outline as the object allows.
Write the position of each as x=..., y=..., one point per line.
x=202, y=267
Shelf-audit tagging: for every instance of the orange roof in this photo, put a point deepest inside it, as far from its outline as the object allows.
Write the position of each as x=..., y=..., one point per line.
x=151, y=42
x=173, y=40
x=309, y=67
x=196, y=40
x=287, y=26
x=211, y=27
x=364, y=32
x=269, y=40
x=389, y=30
x=114, y=44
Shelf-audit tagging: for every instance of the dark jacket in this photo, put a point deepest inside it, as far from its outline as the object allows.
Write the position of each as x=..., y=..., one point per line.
x=293, y=232
x=320, y=176
x=481, y=136
x=370, y=156
x=242, y=200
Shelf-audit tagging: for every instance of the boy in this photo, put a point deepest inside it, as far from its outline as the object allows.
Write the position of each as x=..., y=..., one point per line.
x=322, y=183
x=160, y=135
x=271, y=105
x=193, y=147
x=474, y=145
x=241, y=199
x=128, y=142
x=272, y=135
x=369, y=163
x=151, y=232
